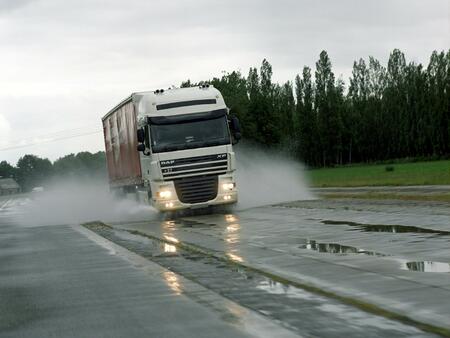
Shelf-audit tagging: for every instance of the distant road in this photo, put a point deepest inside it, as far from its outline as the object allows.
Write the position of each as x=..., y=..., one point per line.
x=436, y=193
x=415, y=189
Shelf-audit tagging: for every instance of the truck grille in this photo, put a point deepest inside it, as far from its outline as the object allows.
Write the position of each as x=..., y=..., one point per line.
x=196, y=189
x=194, y=166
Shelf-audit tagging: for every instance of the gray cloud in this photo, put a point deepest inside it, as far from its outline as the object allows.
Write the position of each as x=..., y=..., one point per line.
x=10, y=5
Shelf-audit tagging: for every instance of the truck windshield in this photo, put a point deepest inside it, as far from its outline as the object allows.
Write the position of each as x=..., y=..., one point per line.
x=189, y=134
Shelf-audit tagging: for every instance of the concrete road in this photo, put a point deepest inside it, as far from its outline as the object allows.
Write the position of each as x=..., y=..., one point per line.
x=65, y=281
x=312, y=268
x=389, y=255
x=430, y=193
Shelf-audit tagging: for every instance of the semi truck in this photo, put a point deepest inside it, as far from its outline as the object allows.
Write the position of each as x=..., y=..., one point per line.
x=173, y=149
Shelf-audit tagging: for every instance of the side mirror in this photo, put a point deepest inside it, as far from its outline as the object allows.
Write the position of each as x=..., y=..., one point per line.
x=235, y=128
x=141, y=147
x=141, y=135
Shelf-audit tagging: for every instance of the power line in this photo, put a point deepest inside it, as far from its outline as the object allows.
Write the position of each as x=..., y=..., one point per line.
x=51, y=140
x=57, y=133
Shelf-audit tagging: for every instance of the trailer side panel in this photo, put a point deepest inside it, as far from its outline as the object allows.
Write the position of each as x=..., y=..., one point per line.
x=124, y=166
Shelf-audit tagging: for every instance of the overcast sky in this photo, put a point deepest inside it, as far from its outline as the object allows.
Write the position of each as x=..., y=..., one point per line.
x=64, y=63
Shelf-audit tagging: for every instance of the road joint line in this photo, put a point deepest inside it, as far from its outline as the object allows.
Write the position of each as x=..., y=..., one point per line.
x=147, y=265
x=357, y=303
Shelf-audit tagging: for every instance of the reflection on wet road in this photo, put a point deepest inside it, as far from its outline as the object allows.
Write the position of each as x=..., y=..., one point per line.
x=389, y=228
x=302, y=264
x=426, y=266
x=395, y=256
x=172, y=281
x=337, y=249
x=298, y=310
x=65, y=281
x=170, y=248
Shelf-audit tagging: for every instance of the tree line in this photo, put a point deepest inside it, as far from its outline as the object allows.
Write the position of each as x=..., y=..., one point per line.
x=386, y=112
x=32, y=171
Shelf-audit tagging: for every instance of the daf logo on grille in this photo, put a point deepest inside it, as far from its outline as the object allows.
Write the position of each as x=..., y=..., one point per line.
x=167, y=162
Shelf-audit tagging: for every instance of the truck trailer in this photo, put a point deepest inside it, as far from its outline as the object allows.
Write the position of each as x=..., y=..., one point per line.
x=173, y=149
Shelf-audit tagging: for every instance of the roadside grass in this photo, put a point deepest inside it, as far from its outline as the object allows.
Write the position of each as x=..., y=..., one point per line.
x=417, y=173
x=391, y=196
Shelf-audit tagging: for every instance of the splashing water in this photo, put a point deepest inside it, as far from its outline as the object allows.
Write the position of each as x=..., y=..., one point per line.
x=267, y=177
x=80, y=201
x=263, y=178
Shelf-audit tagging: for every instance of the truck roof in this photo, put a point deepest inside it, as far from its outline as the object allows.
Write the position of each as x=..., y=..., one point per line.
x=174, y=101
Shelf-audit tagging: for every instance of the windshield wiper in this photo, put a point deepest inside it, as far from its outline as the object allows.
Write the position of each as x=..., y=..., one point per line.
x=172, y=147
x=191, y=145
x=215, y=143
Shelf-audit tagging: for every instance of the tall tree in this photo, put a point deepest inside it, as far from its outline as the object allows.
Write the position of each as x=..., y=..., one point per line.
x=83, y=164
x=254, y=106
x=329, y=121
x=394, y=102
x=439, y=78
x=377, y=87
x=268, y=121
x=307, y=122
x=7, y=170
x=33, y=171
x=354, y=121
x=233, y=87
x=401, y=110
x=286, y=109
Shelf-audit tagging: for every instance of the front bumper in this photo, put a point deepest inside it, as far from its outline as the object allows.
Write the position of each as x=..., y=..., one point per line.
x=173, y=203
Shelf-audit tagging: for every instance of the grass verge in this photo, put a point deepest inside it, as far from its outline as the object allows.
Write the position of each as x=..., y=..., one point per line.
x=417, y=173
x=391, y=196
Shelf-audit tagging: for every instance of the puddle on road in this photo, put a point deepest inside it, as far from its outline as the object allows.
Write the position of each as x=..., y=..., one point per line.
x=426, y=266
x=277, y=288
x=192, y=224
x=388, y=228
x=153, y=248
x=291, y=307
x=338, y=249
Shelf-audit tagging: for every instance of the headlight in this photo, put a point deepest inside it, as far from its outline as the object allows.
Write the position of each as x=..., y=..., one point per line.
x=228, y=186
x=164, y=194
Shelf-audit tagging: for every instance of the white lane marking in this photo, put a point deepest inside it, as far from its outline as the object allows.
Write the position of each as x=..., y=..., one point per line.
x=5, y=204
x=12, y=207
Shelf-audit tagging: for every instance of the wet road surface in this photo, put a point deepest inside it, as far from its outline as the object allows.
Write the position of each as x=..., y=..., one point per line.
x=58, y=281
x=230, y=273
x=394, y=255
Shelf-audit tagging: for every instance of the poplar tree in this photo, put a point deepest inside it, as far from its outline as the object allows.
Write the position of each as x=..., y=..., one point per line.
x=307, y=121
x=328, y=119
